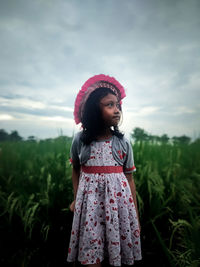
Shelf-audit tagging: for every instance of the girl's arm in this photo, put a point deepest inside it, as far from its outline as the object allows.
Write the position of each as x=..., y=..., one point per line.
x=131, y=182
x=75, y=182
x=75, y=179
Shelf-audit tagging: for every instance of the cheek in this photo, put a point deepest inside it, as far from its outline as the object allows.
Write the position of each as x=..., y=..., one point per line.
x=106, y=114
x=104, y=117
x=107, y=118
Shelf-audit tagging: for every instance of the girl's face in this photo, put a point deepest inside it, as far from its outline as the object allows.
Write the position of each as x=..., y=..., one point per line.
x=111, y=110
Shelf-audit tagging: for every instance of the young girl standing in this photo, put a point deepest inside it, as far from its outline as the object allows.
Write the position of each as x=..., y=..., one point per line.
x=106, y=220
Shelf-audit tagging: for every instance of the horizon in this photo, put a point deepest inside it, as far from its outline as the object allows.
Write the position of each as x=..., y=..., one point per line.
x=128, y=136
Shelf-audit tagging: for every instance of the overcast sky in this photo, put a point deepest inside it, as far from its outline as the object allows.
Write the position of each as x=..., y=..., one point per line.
x=48, y=49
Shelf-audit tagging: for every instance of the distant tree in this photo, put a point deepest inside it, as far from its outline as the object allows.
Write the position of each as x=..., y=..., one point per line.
x=63, y=138
x=31, y=138
x=153, y=138
x=14, y=136
x=49, y=139
x=181, y=139
x=175, y=140
x=139, y=134
x=197, y=141
x=158, y=138
x=4, y=136
x=164, y=138
x=184, y=139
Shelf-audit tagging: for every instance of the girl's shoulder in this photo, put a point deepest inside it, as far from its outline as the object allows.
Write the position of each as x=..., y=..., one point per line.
x=77, y=136
x=122, y=142
x=123, y=139
x=76, y=140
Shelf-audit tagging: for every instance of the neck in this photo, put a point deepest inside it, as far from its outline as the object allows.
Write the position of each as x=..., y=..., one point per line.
x=106, y=133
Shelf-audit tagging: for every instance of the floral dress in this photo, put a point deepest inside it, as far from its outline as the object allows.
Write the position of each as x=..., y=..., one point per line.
x=105, y=223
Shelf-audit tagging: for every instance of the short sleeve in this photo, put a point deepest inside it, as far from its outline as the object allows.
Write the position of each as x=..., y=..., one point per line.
x=74, y=155
x=129, y=165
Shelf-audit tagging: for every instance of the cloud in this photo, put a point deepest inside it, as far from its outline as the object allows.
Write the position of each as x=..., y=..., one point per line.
x=183, y=110
x=23, y=102
x=39, y=126
x=31, y=104
x=49, y=49
x=144, y=111
x=6, y=117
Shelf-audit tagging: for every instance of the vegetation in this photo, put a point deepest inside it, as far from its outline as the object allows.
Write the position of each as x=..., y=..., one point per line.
x=36, y=189
x=140, y=135
x=13, y=136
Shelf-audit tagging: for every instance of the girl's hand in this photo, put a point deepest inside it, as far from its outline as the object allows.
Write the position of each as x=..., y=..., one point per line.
x=139, y=226
x=72, y=206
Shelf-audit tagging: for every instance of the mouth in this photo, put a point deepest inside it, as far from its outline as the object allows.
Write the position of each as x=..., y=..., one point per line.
x=116, y=118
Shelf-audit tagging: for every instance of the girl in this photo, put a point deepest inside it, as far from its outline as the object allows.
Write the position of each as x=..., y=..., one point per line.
x=106, y=220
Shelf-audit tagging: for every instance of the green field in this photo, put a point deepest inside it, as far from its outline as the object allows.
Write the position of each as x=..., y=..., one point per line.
x=36, y=189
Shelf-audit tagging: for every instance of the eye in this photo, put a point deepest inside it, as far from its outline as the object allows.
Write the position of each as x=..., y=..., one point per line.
x=118, y=106
x=110, y=105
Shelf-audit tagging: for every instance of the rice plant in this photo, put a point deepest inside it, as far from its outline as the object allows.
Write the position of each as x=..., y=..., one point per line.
x=36, y=190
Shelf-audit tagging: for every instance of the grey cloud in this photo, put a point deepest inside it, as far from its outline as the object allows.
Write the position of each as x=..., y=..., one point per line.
x=48, y=49
x=37, y=112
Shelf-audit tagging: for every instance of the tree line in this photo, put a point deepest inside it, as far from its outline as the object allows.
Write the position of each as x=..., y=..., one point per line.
x=14, y=136
x=138, y=135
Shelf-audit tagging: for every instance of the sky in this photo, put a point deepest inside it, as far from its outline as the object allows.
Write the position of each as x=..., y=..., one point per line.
x=48, y=49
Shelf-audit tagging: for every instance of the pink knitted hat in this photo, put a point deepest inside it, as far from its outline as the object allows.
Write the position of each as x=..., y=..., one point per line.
x=89, y=86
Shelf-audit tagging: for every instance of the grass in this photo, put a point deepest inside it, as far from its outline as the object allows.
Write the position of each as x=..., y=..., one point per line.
x=36, y=189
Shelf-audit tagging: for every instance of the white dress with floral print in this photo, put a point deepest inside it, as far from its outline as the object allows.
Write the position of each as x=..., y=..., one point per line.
x=105, y=223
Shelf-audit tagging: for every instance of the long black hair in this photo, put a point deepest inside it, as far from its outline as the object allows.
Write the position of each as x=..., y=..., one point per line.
x=92, y=121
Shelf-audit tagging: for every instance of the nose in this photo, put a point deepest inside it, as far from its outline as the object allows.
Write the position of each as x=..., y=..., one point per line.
x=117, y=109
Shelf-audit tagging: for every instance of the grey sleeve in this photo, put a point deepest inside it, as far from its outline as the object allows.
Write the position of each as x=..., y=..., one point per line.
x=74, y=154
x=129, y=165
